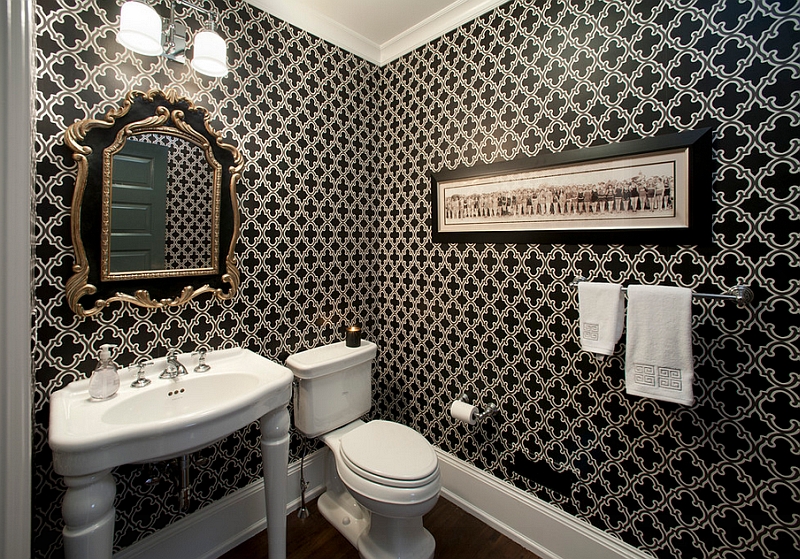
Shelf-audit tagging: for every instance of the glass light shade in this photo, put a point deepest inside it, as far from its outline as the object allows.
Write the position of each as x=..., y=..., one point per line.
x=209, y=54
x=140, y=28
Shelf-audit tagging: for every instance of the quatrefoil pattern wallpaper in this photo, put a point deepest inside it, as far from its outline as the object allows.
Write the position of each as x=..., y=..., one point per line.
x=305, y=117
x=336, y=228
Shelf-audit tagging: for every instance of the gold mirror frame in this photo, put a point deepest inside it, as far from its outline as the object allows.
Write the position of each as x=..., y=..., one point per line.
x=182, y=117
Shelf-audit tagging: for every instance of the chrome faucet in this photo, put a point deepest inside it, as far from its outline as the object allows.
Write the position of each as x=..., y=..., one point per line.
x=174, y=367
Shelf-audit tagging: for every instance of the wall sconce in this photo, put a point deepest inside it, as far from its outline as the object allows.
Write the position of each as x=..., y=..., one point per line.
x=140, y=30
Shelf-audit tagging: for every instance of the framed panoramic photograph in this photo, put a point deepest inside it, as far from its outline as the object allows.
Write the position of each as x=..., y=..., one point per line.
x=651, y=191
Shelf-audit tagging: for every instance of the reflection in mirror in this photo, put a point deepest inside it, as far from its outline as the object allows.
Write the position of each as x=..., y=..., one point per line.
x=154, y=213
x=163, y=190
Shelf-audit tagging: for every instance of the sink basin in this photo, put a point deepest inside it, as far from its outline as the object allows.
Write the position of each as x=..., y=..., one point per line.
x=187, y=397
x=167, y=418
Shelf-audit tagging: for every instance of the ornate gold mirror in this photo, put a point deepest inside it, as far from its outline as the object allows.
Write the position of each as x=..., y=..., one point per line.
x=154, y=214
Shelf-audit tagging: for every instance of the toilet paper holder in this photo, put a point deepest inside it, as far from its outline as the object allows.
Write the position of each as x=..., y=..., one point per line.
x=481, y=415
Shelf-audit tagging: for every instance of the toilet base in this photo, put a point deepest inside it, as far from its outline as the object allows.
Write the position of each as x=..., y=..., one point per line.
x=396, y=538
x=375, y=536
x=344, y=514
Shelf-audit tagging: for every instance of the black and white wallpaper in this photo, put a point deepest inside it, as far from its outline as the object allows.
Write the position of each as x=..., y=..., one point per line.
x=336, y=228
x=304, y=115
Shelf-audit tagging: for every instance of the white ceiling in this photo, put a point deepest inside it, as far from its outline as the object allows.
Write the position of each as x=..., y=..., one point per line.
x=377, y=30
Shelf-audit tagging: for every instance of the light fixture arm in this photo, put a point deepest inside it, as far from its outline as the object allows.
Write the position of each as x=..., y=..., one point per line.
x=208, y=13
x=171, y=47
x=169, y=33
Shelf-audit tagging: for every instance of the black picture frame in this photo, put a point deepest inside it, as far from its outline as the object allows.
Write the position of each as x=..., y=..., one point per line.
x=691, y=191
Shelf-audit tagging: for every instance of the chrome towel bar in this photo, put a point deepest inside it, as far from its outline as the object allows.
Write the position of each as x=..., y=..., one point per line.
x=742, y=294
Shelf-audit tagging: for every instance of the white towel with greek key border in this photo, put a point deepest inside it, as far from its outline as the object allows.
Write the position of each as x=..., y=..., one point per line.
x=658, y=343
x=601, y=307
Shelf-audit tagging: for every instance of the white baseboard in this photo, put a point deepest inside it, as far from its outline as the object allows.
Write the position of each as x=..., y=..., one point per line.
x=537, y=526
x=224, y=524
x=534, y=524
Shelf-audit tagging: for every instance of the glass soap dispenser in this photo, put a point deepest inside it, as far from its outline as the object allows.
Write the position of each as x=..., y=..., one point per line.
x=105, y=378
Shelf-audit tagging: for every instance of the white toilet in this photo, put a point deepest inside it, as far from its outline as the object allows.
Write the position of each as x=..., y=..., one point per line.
x=384, y=476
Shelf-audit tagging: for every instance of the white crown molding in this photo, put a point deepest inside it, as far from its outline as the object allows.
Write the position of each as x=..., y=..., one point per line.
x=435, y=26
x=326, y=28
x=322, y=26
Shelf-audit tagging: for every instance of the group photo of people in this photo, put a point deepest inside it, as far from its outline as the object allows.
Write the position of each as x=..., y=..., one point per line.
x=563, y=198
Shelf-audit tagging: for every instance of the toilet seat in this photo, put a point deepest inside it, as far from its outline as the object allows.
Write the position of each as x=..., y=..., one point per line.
x=389, y=454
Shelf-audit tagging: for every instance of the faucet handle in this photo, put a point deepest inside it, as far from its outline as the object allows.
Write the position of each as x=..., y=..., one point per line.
x=172, y=368
x=202, y=366
x=140, y=381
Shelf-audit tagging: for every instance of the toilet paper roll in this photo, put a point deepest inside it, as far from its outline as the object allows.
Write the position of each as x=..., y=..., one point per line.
x=463, y=411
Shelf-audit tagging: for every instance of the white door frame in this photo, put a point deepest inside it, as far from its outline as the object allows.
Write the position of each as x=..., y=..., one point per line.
x=16, y=175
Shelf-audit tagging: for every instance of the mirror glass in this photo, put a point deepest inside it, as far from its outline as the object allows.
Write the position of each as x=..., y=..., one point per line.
x=154, y=214
x=163, y=191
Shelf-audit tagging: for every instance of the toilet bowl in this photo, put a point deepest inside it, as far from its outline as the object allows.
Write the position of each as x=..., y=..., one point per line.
x=391, y=471
x=381, y=476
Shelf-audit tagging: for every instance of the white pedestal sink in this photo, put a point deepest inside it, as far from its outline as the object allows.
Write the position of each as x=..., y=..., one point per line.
x=165, y=419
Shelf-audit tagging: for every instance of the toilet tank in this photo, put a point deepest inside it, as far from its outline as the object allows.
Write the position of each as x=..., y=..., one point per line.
x=334, y=386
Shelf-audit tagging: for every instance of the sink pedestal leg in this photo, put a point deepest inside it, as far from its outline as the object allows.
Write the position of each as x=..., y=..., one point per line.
x=88, y=511
x=275, y=454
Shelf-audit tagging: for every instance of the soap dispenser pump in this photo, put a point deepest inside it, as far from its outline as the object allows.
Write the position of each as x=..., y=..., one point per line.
x=105, y=378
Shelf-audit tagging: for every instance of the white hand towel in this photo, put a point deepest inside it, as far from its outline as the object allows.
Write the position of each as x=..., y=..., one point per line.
x=602, y=310
x=658, y=346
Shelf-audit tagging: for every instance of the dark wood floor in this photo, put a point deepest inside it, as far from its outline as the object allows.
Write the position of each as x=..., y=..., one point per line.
x=457, y=533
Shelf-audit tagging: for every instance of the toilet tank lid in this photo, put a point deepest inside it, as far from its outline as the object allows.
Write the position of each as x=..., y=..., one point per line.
x=327, y=359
